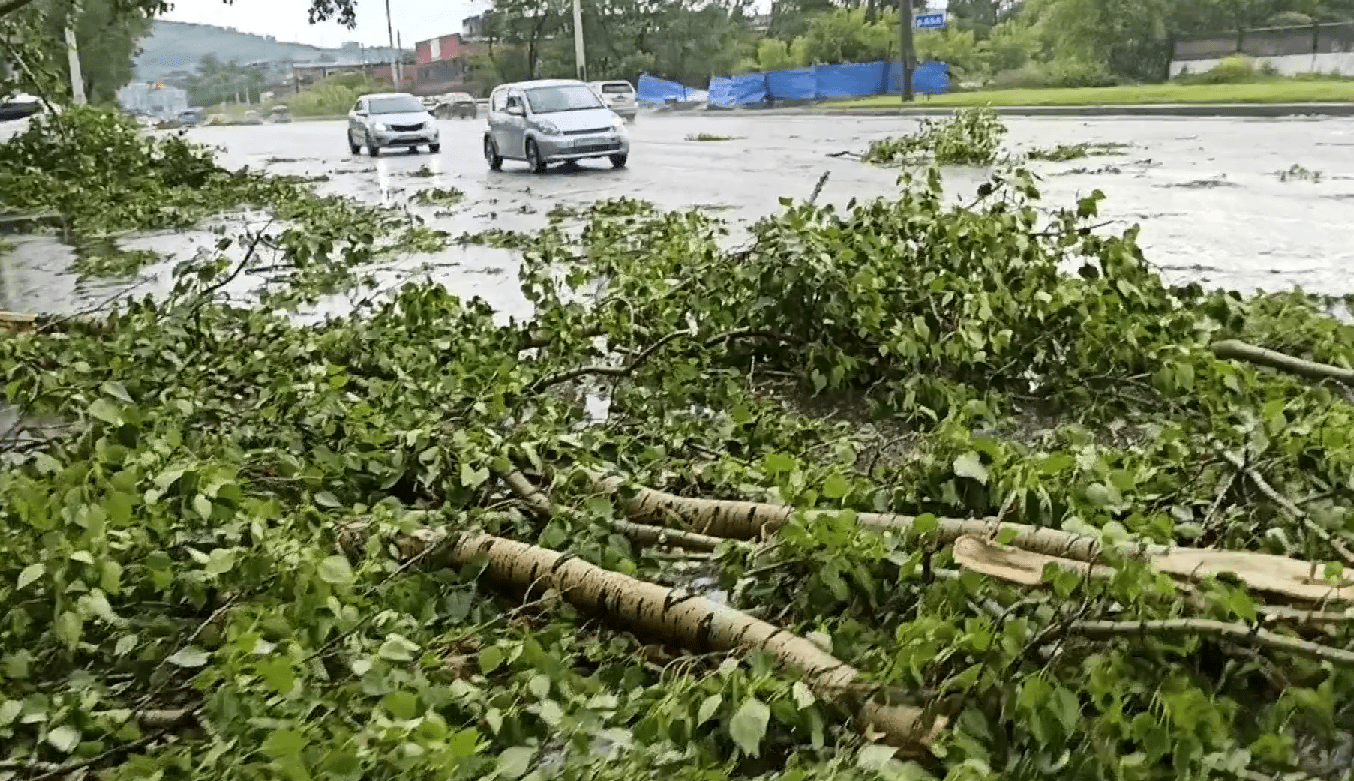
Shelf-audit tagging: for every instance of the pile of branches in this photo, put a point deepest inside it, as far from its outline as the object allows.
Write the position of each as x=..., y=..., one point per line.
x=806, y=540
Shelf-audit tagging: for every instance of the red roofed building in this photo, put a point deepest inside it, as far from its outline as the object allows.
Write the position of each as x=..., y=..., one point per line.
x=442, y=65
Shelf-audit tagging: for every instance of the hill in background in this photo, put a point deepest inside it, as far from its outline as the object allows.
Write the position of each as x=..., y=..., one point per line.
x=179, y=46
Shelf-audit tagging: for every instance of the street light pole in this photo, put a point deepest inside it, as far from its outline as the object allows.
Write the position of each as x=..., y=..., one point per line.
x=580, y=62
x=394, y=53
x=905, y=46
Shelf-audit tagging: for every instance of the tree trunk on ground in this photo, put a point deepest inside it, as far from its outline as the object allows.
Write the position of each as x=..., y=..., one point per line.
x=1263, y=572
x=1238, y=350
x=680, y=618
x=741, y=520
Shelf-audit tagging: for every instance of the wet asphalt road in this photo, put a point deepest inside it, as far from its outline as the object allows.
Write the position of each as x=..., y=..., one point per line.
x=1207, y=192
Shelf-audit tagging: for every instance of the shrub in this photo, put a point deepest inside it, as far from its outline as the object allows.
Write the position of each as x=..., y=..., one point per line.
x=971, y=137
x=1236, y=69
x=1058, y=73
x=334, y=95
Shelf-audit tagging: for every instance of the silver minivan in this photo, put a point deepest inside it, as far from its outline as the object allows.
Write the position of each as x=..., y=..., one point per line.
x=552, y=121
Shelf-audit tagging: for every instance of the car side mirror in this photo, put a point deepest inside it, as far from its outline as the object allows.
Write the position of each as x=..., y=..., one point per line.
x=517, y=111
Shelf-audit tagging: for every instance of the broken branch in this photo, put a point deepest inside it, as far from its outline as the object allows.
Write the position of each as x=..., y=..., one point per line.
x=1241, y=351
x=679, y=617
x=1292, y=510
x=1239, y=633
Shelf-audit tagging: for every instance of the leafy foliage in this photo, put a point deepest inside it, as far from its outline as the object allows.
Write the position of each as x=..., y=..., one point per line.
x=177, y=604
x=971, y=137
x=1064, y=152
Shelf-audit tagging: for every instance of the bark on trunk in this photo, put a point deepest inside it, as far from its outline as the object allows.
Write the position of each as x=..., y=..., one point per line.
x=1238, y=350
x=747, y=520
x=1294, y=578
x=681, y=618
x=1290, y=578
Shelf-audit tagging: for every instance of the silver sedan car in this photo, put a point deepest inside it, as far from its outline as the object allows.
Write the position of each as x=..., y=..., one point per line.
x=391, y=119
x=552, y=121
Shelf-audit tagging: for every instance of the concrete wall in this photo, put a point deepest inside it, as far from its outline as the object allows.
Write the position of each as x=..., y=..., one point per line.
x=1287, y=64
x=1319, y=48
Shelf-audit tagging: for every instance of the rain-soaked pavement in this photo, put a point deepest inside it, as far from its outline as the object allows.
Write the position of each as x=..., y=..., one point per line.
x=1208, y=193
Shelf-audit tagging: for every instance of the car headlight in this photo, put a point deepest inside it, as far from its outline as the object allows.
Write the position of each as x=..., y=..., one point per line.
x=547, y=128
x=379, y=127
x=618, y=123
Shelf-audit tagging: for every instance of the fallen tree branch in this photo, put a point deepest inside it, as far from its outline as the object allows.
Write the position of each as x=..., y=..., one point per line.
x=608, y=371
x=682, y=618
x=738, y=519
x=1239, y=633
x=539, y=503
x=747, y=520
x=1024, y=568
x=1292, y=510
x=1241, y=351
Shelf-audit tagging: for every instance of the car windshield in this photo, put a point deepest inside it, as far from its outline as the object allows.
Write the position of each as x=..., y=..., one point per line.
x=571, y=97
x=616, y=89
x=398, y=104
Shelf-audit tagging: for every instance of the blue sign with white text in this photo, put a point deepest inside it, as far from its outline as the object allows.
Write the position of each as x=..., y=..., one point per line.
x=934, y=20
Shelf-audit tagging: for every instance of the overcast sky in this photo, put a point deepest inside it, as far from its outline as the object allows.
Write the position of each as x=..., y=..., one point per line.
x=414, y=20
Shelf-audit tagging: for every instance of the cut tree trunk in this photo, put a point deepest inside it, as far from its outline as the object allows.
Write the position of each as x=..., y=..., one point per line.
x=743, y=520
x=1290, y=578
x=1238, y=350
x=681, y=618
x=1295, y=578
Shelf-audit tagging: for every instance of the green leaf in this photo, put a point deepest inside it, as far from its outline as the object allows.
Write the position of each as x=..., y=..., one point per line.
x=284, y=744
x=192, y=656
x=202, y=506
x=9, y=711
x=970, y=465
x=513, y=763
x=802, y=694
x=105, y=410
x=64, y=738
x=836, y=487
x=708, y=707
x=748, y=725
x=397, y=648
x=29, y=574
x=472, y=477
x=220, y=561
x=490, y=658
x=326, y=499
x=875, y=756
x=335, y=570
x=69, y=627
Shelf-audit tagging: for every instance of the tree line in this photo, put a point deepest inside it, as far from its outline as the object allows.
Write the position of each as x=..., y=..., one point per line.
x=1003, y=43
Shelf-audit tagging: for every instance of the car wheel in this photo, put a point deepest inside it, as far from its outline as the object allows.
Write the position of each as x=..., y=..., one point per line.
x=372, y=148
x=413, y=150
x=534, y=157
x=491, y=154
x=354, y=148
x=434, y=148
x=618, y=161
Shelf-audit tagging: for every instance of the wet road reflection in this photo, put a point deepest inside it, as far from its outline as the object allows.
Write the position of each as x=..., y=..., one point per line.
x=1211, y=195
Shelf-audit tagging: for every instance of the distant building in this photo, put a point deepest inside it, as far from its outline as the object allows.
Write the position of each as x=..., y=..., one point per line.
x=303, y=75
x=473, y=27
x=443, y=64
x=153, y=98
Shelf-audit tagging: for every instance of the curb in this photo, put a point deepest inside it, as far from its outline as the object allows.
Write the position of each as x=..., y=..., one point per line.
x=1235, y=110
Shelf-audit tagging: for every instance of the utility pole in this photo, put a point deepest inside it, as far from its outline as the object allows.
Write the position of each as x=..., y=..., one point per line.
x=394, y=53
x=73, y=57
x=580, y=62
x=399, y=54
x=905, y=46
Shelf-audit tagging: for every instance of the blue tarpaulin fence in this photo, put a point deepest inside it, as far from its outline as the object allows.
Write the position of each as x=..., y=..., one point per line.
x=856, y=80
x=655, y=90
